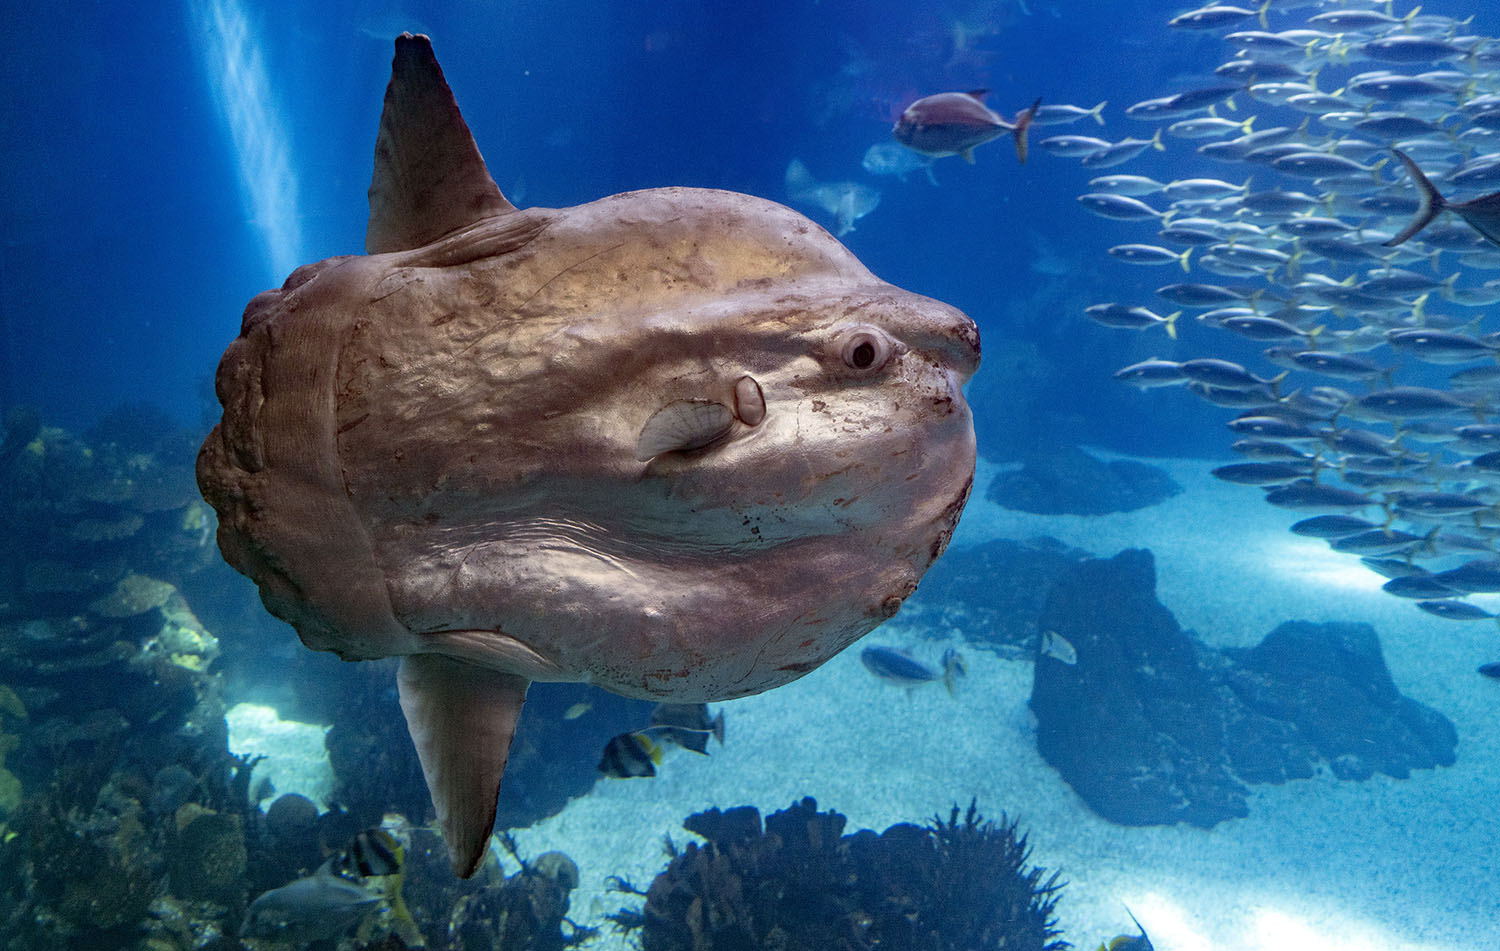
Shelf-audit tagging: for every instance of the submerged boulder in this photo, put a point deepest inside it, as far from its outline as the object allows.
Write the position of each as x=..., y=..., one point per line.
x=1151, y=726
x=1069, y=481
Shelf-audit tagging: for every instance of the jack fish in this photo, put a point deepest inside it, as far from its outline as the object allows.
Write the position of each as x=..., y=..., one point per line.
x=955, y=123
x=678, y=443
x=1482, y=213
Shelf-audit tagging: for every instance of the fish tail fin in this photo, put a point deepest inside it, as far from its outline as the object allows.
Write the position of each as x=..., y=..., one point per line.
x=1183, y=259
x=1171, y=321
x=1312, y=336
x=1156, y=141
x=1275, y=383
x=1023, y=122
x=1431, y=202
x=1261, y=15
x=1445, y=288
x=1245, y=126
x=1419, y=309
x=718, y=727
x=1098, y=111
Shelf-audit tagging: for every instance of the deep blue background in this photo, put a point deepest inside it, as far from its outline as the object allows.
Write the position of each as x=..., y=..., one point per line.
x=129, y=254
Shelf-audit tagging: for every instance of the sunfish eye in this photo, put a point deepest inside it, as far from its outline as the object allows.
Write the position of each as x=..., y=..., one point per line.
x=866, y=348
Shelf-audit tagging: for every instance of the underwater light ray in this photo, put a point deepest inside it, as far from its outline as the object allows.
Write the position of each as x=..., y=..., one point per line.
x=237, y=76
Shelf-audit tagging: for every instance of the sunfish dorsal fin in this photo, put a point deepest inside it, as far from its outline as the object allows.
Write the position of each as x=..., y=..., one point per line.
x=429, y=176
x=461, y=717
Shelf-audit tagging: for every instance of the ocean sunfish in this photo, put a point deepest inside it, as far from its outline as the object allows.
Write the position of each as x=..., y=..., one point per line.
x=677, y=443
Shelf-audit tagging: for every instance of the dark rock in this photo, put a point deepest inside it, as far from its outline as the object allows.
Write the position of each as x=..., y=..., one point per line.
x=291, y=818
x=1152, y=727
x=1133, y=726
x=1069, y=481
x=1332, y=682
x=206, y=859
x=993, y=591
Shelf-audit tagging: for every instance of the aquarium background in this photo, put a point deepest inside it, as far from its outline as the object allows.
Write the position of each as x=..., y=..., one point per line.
x=163, y=165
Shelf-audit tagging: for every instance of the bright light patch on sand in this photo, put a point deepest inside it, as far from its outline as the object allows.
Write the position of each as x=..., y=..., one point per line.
x=237, y=74
x=1169, y=925
x=296, y=761
x=1309, y=561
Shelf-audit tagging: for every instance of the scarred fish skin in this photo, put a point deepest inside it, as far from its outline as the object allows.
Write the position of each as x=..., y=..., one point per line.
x=678, y=443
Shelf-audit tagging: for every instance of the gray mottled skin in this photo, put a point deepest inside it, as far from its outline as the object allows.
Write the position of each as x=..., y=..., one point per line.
x=431, y=452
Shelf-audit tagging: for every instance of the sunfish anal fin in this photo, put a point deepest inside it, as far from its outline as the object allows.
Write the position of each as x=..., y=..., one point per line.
x=429, y=176
x=461, y=718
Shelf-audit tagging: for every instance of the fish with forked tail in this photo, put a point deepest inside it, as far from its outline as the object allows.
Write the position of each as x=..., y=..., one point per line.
x=955, y=123
x=1482, y=213
x=902, y=669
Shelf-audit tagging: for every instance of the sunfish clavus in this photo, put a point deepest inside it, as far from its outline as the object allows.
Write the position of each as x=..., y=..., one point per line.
x=678, y=443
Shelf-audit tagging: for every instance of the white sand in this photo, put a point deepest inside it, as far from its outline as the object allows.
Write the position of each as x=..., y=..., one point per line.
x=1384, y=865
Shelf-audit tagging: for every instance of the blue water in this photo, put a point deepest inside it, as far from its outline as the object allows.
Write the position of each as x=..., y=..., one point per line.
x=163, y=165
x=160, y=175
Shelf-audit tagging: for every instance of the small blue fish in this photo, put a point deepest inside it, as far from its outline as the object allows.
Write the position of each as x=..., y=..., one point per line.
x=689, y=725
x=900, y=668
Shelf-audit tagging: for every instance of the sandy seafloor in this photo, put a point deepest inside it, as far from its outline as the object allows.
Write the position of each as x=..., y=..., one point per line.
x=1319, y=864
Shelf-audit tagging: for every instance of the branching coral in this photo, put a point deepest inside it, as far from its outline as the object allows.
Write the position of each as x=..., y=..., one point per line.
x=801, y=884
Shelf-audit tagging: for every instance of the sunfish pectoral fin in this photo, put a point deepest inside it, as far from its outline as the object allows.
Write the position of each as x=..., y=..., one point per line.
x=682, y=425
x=1431, y=204
x=429, y=176
x=461, y=718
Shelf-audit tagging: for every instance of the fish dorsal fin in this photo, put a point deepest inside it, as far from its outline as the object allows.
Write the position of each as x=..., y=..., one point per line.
x=461, y=717
x=429, y=176
x=977, y=94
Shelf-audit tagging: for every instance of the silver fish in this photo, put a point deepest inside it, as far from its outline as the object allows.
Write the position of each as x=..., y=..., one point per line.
x=678, y=443
x=956, y=123
x=317, y=907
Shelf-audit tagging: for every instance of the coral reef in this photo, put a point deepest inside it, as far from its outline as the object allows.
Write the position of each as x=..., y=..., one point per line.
x=1069, y=481
x=125, y=822
x=526, y=911
x=800, y=883
x=1152, y=726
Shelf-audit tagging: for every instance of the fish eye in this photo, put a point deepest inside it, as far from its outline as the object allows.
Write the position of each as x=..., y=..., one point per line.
x=865, y=348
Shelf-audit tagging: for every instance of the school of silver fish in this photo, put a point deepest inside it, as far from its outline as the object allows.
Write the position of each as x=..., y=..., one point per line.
x=1348, y=221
